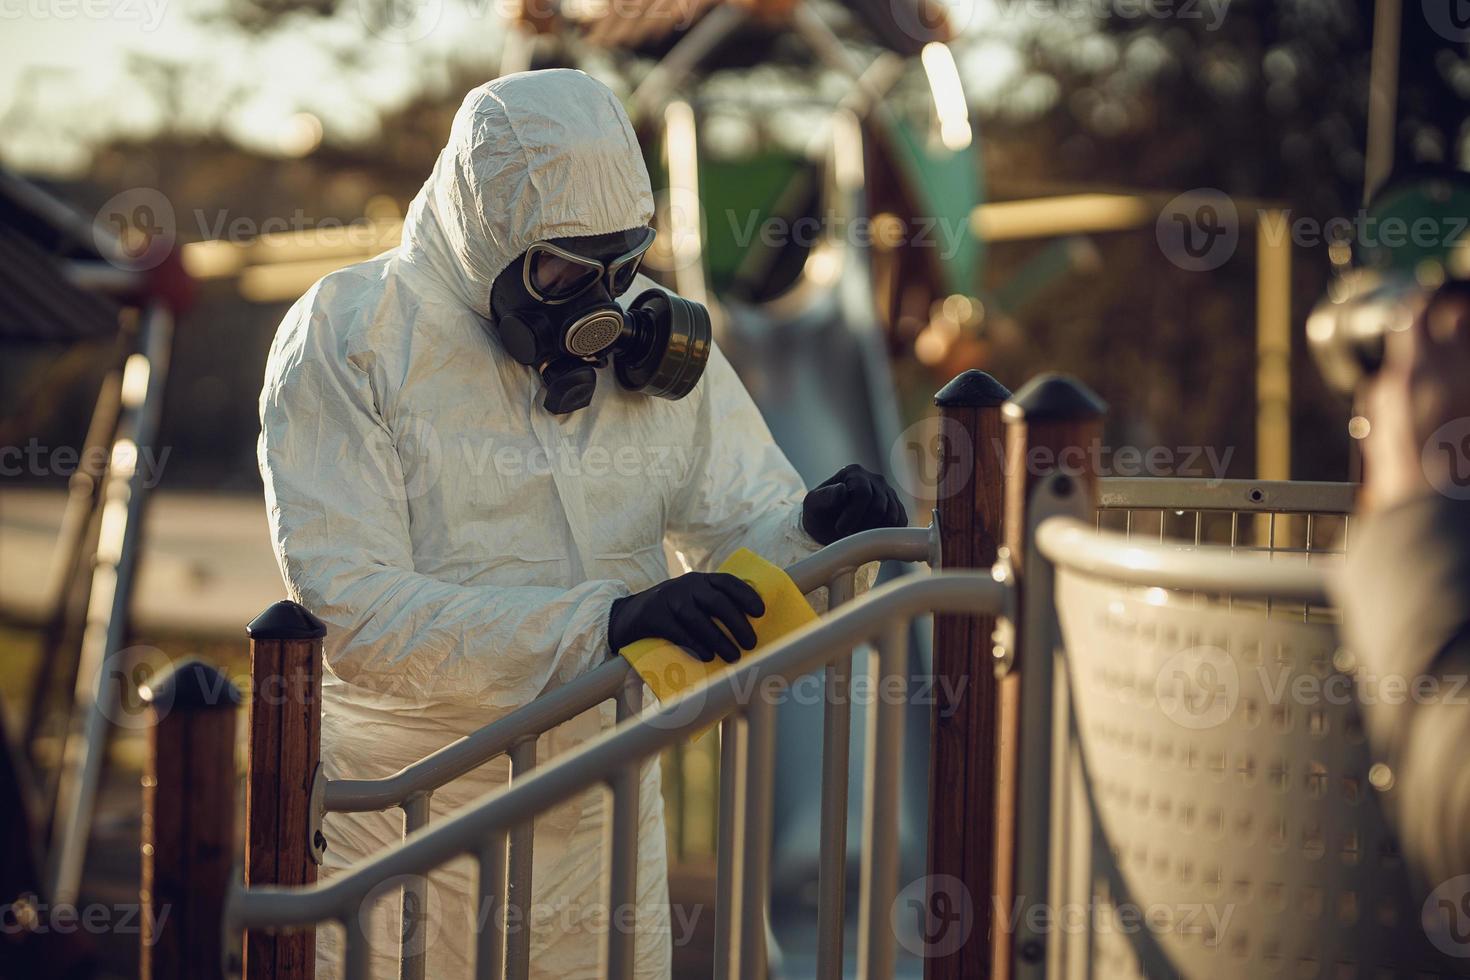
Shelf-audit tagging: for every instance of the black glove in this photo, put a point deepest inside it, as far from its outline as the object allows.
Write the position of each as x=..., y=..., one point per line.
x=684, y=610
x=853, y=500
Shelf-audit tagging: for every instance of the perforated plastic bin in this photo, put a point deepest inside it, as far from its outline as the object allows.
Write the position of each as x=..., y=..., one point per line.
x=1215, y=815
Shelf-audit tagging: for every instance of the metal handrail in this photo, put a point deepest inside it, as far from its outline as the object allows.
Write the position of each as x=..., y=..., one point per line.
x=604, y=760
x=600, y=684
x=1078, y=546
x=412, y=787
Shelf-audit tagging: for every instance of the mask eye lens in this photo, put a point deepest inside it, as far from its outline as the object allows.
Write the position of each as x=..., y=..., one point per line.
x=622, y=277
x=556, y=277
x=626, y=268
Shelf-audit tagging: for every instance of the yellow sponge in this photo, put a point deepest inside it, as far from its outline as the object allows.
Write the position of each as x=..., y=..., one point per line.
x=668, y=670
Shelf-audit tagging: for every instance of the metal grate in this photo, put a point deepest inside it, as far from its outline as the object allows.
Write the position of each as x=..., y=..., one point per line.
x=1307, y=522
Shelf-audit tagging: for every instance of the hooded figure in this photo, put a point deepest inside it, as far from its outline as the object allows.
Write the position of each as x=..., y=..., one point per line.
x=464, y=546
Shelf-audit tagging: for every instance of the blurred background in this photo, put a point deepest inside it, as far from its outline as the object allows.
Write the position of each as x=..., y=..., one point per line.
x=872, y=196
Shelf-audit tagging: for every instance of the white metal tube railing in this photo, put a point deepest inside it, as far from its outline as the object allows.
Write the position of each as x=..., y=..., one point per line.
x=606, y=760
x=832, y=853
x=558, y=706
x=1077, y=545
x=411, y=787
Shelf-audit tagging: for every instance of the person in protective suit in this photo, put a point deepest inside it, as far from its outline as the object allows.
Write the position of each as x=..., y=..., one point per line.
x=470, y=478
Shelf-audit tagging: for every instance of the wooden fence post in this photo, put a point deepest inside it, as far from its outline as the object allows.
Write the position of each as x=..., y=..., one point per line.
x=968, y=497
x=1053, y=425
x=282, y=846
x=188, y=823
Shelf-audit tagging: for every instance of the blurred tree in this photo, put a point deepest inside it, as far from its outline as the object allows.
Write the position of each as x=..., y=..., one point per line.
x=1268, y=102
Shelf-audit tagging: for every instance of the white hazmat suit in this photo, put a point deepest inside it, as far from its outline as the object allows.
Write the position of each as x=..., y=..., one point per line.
x=463, y=545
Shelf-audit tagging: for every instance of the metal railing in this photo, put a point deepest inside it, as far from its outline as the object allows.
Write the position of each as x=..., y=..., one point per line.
x=411, y=788
x=743, y=700
x=994, y=744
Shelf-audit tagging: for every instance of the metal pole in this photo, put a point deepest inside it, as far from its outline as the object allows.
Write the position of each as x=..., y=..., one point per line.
x=730, y=847
x=1273, y=346
x=490, y=915
x=69, y=573
x=882, y=778
x=97, y=686
x=754, y=891
x=622, y=903
x=836, y=749
x=357, y=958
x=1383, y=91
x=414, y=913
x=518, y=901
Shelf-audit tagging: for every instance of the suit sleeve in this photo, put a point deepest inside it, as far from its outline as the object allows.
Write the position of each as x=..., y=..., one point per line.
x=336, y=495
x=743, y=492
x=1405, y=595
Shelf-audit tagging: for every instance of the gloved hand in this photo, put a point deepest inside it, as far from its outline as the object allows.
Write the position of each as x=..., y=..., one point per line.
x=853, y=500
x=684, y=610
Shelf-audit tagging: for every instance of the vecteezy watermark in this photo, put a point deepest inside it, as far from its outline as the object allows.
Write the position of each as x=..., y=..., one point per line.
x=1198, y=688
x=141, y=222
x=269, y=232
x=144, y=224
x=29, y=915
x=454, y=913
x=1446, y=917
x=1095, y=917
x=410, y=462
x=938, y=232
x=1199, y=230
x=934, y=459
x=1450, y=19
x=1202, y=687
x=1210, y=12
x=125, y=694
x=1446, y=459
x=933, y=916
x=147, y=13
x=40, y=460
x=942, y=695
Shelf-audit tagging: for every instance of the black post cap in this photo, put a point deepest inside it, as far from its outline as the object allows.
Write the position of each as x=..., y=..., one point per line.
x=972, y=389
x=1053, y=397
x=190, y=685
x=286, y=620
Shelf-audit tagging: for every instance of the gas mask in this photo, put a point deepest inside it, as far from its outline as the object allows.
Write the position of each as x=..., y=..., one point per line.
x=555, y=311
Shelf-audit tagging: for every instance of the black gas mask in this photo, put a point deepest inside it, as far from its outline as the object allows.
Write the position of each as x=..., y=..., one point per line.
x=554, y=310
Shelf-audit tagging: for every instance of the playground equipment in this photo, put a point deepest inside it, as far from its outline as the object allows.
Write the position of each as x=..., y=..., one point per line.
x=818, y=306
x=1087, y=700
x=67, y=280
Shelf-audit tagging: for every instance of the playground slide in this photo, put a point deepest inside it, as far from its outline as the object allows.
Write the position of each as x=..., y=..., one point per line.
x=816, y=365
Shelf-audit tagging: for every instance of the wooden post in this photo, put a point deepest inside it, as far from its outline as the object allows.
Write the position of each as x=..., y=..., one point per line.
x=281, y=845
x=188, y=823
x=1053, y=425
x=962, y=757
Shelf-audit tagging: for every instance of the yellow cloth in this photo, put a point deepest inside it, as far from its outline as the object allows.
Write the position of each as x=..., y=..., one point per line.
x=668, y=670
